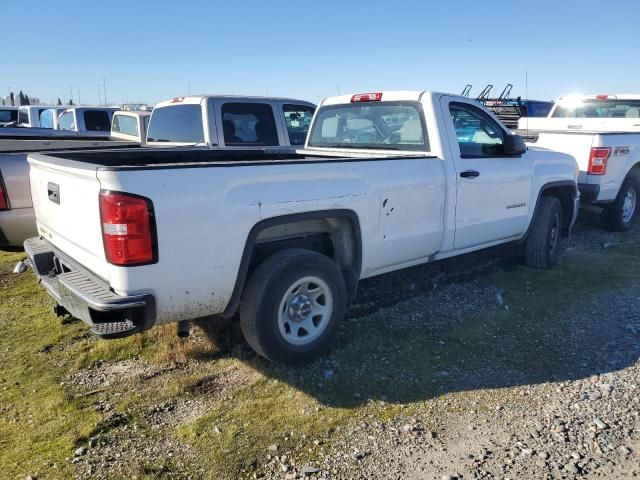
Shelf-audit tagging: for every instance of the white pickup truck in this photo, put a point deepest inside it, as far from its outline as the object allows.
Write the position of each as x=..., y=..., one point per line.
x=94, y=121
x=602, y=132
x=130, y=125
x=387, y=180
x=230, y=121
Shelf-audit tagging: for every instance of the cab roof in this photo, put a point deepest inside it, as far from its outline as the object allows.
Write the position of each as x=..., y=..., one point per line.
x=196, y=99
x=602, y=96
x=389, y=96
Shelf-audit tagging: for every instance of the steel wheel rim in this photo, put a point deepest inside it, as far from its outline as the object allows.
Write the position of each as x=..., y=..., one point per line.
x=629, y=205
x=555, y=234
x=305, y=311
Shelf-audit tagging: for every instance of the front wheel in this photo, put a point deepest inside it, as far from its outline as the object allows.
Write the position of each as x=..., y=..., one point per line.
x=542, y=245
x=292, y=305
x=618, y=216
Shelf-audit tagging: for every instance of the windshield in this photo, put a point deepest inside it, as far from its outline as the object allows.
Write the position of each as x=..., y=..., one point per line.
x=384, y=125
x=179, y=123
x=598, y=109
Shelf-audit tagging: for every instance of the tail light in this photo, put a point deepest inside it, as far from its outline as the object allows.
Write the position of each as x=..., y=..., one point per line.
x=366, y=97
x=4, y=198
x=598, y=160
x=128, y=229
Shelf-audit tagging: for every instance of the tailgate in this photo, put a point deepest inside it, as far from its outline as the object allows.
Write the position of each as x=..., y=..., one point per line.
x=66, y=204
x=578, y=145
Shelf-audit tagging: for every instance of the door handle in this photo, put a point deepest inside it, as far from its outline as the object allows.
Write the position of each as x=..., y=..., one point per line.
x=470, y=174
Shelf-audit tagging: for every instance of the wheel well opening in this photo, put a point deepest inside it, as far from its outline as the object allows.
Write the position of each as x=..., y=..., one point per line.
x=334, y=237
x=565, y=195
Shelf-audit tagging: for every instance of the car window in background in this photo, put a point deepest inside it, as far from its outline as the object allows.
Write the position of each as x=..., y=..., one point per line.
x=177, y=123
x=374, y=125
x=249, y=123
x=23, y=116
x=597, y=108
x=478, y=134
x=7, y=116
x=125, y=124
x=298, y=120
x=66, y=121
x=46, y=118
x=97, y=121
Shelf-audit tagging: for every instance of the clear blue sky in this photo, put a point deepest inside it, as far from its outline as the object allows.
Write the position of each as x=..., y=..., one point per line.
x=151, y=50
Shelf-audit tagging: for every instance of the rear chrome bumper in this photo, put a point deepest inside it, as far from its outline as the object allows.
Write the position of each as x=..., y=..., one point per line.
x=87, y=297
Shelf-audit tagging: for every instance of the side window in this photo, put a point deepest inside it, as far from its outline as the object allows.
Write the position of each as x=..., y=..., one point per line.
x=298, y=119
x=46, y=119
x=23, y=116
x=249, y=124
x=125, y=124
x=478, y=134
x=97, y=121
x=66, y=122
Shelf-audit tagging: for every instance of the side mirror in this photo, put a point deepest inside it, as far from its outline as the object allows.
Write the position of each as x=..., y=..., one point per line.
x=513, y=145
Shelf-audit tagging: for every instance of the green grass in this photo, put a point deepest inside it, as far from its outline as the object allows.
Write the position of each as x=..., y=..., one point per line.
x=385, y=365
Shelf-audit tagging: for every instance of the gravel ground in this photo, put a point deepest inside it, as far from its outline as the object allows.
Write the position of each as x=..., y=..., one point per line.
x=429, y=399
x=580, y=422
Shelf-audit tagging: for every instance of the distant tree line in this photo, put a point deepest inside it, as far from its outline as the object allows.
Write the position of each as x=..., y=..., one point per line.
x=23, y=99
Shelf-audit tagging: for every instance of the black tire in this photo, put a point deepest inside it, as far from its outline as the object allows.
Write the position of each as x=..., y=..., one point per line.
x=613, y=215
x=270, y=282
x=543, y=242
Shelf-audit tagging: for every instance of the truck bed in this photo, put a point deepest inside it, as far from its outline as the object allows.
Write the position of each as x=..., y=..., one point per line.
x=147, y=158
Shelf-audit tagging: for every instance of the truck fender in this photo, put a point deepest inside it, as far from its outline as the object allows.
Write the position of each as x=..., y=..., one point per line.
x=566, y=199
x=352, y=273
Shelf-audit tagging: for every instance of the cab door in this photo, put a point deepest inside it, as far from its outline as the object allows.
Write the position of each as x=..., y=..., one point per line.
x=493, y=189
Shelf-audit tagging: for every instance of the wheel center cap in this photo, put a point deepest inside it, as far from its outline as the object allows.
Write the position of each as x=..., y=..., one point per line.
x=300, y=308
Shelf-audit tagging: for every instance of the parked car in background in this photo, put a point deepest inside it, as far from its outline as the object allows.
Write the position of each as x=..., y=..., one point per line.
x=602, y=132
x=95, y=121
x=17, y=220
x=49, y=117
x=216, y=121
x=8, y=115
x=29, y=115
x=129, y=239
x=130, y=125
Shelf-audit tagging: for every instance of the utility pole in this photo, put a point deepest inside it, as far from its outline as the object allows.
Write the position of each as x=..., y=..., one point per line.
x=104, y=85
x=99, y=96
x=71, y=94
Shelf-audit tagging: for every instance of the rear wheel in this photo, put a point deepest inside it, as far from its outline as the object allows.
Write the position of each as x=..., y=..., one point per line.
x=292, y=305
x=619, y=215
x=542, y=245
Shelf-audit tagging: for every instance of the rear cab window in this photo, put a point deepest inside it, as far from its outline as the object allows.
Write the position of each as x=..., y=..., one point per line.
x=370, y=125
x=597, y=108
x=125, y=124
x=298, y=120
x=248, y=124
x=176, y=124
x=97, y=121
